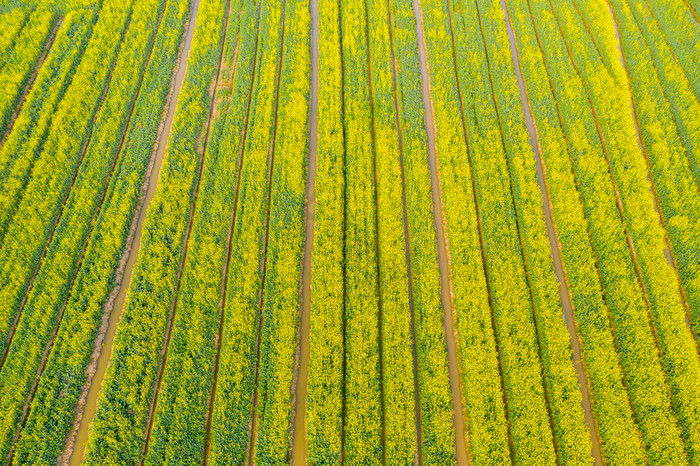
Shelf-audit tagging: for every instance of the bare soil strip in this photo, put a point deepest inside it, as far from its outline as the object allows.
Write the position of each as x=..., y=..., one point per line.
x=301, y=380
x=57, y=219
x=224, y=275
x=93, y=221
x=188, y=231
x=30, y=82
x=443, y=245
x=252, y=437
x=555, y=246
x=409, y=273
x=87, y=405
x=668, y=250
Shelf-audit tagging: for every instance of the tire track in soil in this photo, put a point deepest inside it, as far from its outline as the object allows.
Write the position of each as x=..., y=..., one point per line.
x=93, y=221
x=555, y=247
x=87, y=405
x=407, y=248
x=32, y=78
x=188, y=231
x=224, y=275
x=252, y=437
x=57, y=219
x=461, y=441
x=301, y=382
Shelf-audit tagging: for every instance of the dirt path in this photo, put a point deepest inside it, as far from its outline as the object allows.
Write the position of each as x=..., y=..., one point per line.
x=93, y=222
x=30, y=82
x=442, y=243
x=102, y=352
x=229, y=238
x=409, y=273
x=564, y=296
x=301, y=383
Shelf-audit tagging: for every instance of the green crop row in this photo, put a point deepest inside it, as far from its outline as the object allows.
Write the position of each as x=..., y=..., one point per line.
x=678, y=195
x=179, y=426
x=629, y=172
x=39, y=315
x=677, y=89
x=398, y=383
x=437, y=429
x=11, y=23
x=286, y=241
x=572, y=440
x=22, y=60
x=60, y=385
x=324, y=402
x=362, y=383
x=547, y=74
x=684, y=107
x=56, y=165
x=118, y=429
x=680, y=30
x=626, y=299
x=502, y=252
x=233, y=410
x=20, y=150
x=483, y=401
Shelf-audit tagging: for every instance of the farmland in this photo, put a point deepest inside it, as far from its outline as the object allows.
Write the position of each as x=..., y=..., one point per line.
x=396, y=232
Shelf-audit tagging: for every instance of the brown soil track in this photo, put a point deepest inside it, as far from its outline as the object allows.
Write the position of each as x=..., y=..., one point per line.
x=407, y=245
x=224, y=275
x=447, y=292
x=301, y=379
x=555, y=247
x=104, y=342
x=93, y=221
x=57, y=219
x=32, y=78
x=188, y=231
x=263, y=263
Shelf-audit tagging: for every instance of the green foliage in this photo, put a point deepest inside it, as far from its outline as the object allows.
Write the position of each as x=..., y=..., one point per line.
x=11, y=23
x=286, y=241
x=478, y=356
x=40, y=313
x=16, y=70
x=324, y=402
x=572, y=440
x=60, y=385
x=179, y=426
x=237, y=364
x=56, y=165
x=129, y=385
x=397, y=342
x=433, y=378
